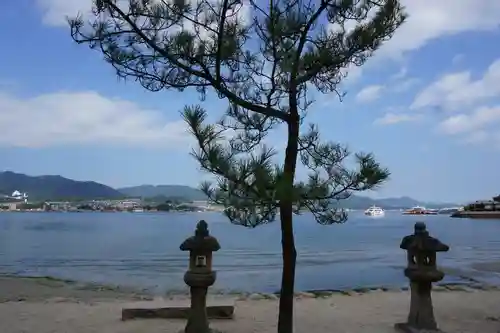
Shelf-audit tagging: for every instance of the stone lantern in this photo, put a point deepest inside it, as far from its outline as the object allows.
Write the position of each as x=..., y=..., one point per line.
x=199, y=275
x=422, y=272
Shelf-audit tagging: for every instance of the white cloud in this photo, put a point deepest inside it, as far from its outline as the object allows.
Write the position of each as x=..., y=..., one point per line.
x=458, y=90
x=395, y=118
x=461, y=92
x=370, y=93
x=405, y=85
x=477, y=137
x=487, y=140
x=71, y=118
x=56, y=11
x=430, y=19
x=479, y=120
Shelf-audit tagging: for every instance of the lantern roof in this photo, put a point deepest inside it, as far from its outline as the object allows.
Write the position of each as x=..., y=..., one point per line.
x=422, y=241
x=201, y=241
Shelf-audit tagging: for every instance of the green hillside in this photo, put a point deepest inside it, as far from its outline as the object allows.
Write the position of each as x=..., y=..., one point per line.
x=192, y=194
x=54, y=187
x=169, y=191
x=60, y=188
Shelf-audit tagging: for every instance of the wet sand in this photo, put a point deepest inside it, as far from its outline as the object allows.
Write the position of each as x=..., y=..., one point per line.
x=41, y=289
x=45, y=305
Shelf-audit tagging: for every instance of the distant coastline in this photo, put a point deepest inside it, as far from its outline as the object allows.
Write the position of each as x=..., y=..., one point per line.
x=111, y=206
x=189, y=209
x=55, y=188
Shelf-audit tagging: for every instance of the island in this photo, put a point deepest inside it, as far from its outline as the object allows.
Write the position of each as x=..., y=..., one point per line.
x=481, y=209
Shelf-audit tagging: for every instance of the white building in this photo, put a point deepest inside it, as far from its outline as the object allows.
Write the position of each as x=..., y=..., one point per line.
x=20, y=196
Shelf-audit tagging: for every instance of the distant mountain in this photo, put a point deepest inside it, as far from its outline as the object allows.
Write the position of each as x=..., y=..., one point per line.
x=60, y=188
x=362, y=202
x=54, y=187
x=401, y=201
x=192, y=194
x=168, y=191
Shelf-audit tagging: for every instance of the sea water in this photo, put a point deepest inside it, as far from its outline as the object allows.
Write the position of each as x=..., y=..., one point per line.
x=142, y=249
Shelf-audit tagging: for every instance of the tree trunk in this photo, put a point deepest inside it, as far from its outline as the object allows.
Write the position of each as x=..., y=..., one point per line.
x=289, y=253
x=285, y=319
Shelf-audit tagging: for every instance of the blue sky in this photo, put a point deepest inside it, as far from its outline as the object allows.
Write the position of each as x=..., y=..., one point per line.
x=428, y=105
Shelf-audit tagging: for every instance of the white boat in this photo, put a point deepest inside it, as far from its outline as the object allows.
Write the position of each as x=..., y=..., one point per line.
x=374, y=211
x=419, y=210
x=448, y=210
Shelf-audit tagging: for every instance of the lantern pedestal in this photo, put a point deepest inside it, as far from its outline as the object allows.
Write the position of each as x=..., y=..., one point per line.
x=198, y=283
x=199, y=276
x=421, y=272
x=421, y=317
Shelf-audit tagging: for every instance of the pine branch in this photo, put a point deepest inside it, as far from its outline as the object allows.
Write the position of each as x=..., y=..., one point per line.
x=264, y=65
x=329, y=180
x=246, y=185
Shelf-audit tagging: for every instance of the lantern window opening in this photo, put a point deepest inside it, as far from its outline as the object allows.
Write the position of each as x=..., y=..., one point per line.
x=201, y=261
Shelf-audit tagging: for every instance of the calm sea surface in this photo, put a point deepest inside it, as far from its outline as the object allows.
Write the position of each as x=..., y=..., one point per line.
x=142, y=249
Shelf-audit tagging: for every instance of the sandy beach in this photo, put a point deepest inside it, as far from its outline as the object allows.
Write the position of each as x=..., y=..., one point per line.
x=51, y=306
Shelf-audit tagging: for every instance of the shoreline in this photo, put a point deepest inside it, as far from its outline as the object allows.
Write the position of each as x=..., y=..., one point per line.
x=40, y=288
x=35, y=289
x=52, y=306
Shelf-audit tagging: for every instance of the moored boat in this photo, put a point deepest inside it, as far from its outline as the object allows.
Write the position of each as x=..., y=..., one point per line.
x=418, y=210
x=448, y=210
x=374, y=211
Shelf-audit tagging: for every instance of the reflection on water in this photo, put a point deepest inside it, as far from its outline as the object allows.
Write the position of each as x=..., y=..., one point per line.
x=143, y=249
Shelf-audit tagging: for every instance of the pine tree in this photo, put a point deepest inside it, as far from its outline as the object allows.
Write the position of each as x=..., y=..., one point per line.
x=265, y=58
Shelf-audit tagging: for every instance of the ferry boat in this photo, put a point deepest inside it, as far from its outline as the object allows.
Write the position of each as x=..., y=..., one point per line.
x=448, y=210
x=374, y=211
x=418, y=210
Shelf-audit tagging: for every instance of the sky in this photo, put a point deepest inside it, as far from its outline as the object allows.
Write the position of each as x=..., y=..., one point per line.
x=427, y=105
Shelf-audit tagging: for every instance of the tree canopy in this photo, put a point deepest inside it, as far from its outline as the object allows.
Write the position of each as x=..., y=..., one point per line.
x=264, y=57
x=267, y=59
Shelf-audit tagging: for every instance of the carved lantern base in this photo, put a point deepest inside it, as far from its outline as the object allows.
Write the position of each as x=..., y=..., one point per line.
x=200, y=279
